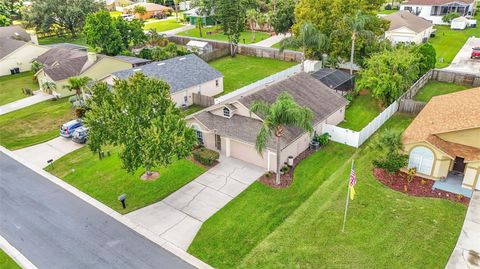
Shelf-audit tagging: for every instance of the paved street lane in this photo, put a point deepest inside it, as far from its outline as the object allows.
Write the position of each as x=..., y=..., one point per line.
x=55, y=229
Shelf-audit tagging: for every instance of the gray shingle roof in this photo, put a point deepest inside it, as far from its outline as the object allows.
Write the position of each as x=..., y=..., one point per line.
x=180, y=72
x=15, y=32
x=306, y=90
x=8, y=45
x=133, y=60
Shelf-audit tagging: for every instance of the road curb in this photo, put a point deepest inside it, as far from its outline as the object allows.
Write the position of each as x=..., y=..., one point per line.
x=192, y=260
x=18, y=257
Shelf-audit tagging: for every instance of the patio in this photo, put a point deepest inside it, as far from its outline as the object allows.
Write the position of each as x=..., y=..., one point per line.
x=453, y=184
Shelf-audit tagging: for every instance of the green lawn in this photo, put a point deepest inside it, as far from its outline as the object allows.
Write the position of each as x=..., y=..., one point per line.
x=79, y=40
x=386, y=12
x=115, y=14
x=163, y=26
x=434, y=88
x=299, y=227
x=448, y=42
x=6, y=262
x=11, y=86
x=217, y=34
x=362, y=110
x=243, y=70
x=105, y=179
x=34, y=124
x=192, y=109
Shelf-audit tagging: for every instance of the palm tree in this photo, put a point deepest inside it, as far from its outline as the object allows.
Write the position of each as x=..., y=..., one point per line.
x=308, y=38
x=176, y=3
x=77, y=84
x=36, y=66
x=252, y=16
x=49, y=86
x=199, y=25
x=356, y=26
x=282, y=113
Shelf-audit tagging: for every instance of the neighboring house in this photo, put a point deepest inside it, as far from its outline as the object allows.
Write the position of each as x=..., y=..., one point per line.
x=434, y=10
x=153, y=10
x=186, y=75
x=199, y=47
x=339, y=81
x=231, y=129
x=17, y=50
x=192, y=16
x=408, y=28
x=60, y=64
x=443, y=141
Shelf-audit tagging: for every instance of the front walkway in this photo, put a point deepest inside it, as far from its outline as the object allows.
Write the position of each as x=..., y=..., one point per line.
x=267, y=43
x=178, y=217
x=38, y=97
x=453, y=184
x=467, y=251
x=178, y=30
x=38, y=155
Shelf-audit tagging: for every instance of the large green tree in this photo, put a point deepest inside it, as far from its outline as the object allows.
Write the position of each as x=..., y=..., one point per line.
x=389, y=73
x=427, y=57
x=284, y=112
x=232, y=14
x=53, y=15
x=139, y=116
x=284, y=16
x=5, y=16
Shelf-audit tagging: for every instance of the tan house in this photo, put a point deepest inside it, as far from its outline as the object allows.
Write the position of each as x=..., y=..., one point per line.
x=408, y=28
x=443, y=142
x=59, y=64
x=231, y=129
x=152, y=10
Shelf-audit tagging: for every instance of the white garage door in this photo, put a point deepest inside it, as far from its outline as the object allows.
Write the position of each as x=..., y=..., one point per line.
x=246, y=153
x=399, y=39
x=422, y=159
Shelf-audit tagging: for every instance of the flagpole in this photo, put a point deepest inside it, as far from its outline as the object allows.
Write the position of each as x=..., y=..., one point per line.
x=346, y=202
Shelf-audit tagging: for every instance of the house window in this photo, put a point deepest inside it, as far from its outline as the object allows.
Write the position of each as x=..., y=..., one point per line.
x=408, y=9
x=199, y=134
x=185, y=99
x=226, y=112
x=216, y=82
x=422, y=159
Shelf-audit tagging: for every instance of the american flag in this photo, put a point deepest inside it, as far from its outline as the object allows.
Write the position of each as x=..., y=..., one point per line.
x=353, y=179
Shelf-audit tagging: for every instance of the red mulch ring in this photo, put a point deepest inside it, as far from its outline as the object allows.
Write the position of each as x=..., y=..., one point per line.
x=286, y=179
x=398, y=181
x=151, y=177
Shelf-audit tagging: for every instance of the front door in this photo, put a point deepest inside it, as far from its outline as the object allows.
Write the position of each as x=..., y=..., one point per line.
x=459, y=165
x=218, y=142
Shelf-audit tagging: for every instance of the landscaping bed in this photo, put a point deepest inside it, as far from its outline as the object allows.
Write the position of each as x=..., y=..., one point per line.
x=419, y=186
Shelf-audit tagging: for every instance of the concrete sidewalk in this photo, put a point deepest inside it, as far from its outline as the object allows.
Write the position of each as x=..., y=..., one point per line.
x=271, y=40
x=38, y=97
x=467, y=251
x=178, y=218
x=178, y=30
x=38, y=155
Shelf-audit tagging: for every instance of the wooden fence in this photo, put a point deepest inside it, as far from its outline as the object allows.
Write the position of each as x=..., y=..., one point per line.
x=456, y=77
x=411, y=106
x=202, y=100
x=410, y=93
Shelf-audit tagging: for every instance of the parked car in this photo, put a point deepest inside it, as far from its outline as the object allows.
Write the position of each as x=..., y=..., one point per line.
x=67, y=129
x=475, y=53
x=80, y=135
x=128, y=17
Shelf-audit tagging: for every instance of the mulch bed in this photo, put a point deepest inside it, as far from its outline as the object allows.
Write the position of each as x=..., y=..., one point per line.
x=207, y=167
x=397, y=181
x=286, y=179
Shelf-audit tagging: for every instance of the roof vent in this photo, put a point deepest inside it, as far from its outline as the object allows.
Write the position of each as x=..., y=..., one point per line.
x=138, y=69
x=181, y=59
x=159, y=64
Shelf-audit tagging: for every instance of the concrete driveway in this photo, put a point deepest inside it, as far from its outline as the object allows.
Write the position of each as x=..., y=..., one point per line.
x=462, y=62
x=38, y=155
x=178, y=217
x=38, y=97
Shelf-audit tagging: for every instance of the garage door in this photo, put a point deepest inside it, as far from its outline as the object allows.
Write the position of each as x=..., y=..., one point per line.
x=246, y=153
x=399, y=39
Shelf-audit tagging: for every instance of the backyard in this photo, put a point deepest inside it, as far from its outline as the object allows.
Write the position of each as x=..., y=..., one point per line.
x=34, y=124
x=105, y=179
x=215, y=33
x=434, y=88
x=362, y=110
x=299, y=227
x=162, y=26
x=6, y=262
x=243, y=70
x=11, y=86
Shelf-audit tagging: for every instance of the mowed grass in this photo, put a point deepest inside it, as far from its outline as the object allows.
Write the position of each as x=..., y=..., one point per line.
x=215, y=33
x=448, y=42
x=105, y=179
x=34, y=124
x=11, y=86
x=6, y=262
x=300, y=227
x=434, y=88
x=362, y=110
x=243, y=70
x=162, y=26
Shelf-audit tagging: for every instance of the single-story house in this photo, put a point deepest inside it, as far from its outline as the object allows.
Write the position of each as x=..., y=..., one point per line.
x=17, y=50
x=59, y=64
x=408, y=28
x=339, y=81
x=434, y=10
x=231, y=129
x=186, y=75
x=153, y=10
x=443, y=141
x=199, y=47
x=193, y=15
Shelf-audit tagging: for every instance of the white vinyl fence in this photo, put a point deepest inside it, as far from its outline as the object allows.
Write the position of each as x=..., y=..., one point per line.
x=261, y=83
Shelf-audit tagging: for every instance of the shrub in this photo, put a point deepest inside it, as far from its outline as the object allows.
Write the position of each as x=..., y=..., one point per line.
x=80, y=112
x=392, y=162
x=205, y=156
x=450, y=16
x=322, y=139
x=27, y=91
x=388, y=7
x=351, y=95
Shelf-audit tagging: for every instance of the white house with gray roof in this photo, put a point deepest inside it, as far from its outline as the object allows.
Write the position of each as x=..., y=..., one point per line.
x=408, y=28
x=186, y=75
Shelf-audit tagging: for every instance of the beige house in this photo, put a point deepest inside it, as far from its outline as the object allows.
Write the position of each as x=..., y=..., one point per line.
x=186, y=75
x=231, y=129
x=59, y=64
x=17, y=50
x=152, y=10
x=408, y=28
x=443, y=142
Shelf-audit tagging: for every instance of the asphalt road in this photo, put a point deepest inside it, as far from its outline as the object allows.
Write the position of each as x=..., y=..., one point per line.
x=55, y=229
